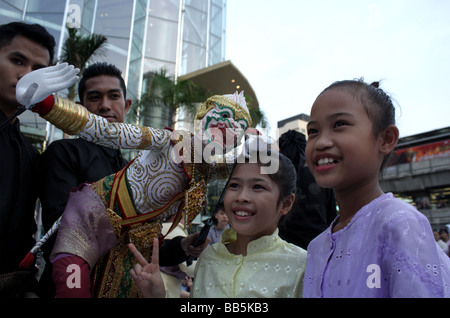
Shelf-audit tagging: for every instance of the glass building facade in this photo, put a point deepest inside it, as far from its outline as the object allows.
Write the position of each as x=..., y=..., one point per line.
x=144, y=36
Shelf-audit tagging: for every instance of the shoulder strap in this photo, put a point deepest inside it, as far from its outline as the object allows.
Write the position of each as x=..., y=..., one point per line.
x=120, y=194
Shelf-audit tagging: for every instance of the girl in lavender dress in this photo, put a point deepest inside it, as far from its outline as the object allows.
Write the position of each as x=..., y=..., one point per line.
x=378, y=246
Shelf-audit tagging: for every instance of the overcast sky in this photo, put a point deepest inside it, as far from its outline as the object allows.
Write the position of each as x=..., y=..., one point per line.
x=290, y=50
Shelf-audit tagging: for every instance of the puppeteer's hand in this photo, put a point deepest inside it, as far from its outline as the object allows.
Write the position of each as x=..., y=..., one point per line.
x=38, y=85
x=187, y=244
x=148, y=276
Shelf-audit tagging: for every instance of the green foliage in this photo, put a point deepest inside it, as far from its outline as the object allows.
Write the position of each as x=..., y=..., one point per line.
x=79, y=50
x=162, y=90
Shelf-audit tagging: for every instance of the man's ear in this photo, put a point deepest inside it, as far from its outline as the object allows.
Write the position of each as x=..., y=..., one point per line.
x=389, y=139
x=286, y=204
x=127, y=105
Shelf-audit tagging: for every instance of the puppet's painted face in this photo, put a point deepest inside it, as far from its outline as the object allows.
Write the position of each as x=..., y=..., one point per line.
x=221, y=129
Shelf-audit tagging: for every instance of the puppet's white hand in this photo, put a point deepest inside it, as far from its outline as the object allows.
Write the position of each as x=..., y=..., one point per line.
x=38, y=85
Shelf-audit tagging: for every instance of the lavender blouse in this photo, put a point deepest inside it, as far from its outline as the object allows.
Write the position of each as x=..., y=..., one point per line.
x=386, y=250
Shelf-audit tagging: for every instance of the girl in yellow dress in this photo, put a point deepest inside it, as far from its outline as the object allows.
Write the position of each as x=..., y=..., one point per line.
x=251, y=260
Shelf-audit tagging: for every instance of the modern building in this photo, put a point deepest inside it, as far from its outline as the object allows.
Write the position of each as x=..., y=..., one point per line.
x=144, y=36
x=297, y=123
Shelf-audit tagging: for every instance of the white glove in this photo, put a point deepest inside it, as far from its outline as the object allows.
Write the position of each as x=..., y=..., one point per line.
x=38, y=85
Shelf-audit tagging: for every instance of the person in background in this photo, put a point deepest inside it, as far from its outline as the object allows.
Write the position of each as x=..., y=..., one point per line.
x=314, y=208
x=175, y=276
x=220, y=220
x=67, y=163
x=23, y=48
x=439, y=241
x=444, y=236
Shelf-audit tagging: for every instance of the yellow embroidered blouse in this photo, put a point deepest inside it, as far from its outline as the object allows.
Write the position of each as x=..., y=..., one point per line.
x=272, y=268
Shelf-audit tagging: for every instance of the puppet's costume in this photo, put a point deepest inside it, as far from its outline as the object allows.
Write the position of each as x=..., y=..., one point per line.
x=101, y=218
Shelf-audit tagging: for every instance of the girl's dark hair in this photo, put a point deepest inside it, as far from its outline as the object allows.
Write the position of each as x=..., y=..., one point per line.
x=33, y=32
x=285, y=176
x=377, y=104
x=292, y=144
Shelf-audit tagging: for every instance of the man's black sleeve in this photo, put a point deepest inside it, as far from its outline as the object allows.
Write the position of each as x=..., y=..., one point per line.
x=171, y=253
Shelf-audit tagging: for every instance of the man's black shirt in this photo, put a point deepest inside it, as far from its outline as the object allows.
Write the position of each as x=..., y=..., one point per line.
x=18, y=159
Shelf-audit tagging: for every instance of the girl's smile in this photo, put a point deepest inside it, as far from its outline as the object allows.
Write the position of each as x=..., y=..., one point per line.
x=242, y=213
x=325, y=162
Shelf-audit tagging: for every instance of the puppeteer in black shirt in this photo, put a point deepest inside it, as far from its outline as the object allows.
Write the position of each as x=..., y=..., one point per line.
x=18, y=159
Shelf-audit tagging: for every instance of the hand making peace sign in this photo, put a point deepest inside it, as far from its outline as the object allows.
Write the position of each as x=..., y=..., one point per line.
x=148, y=276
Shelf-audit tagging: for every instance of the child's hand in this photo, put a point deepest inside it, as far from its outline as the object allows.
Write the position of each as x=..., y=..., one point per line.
x=147, y=276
